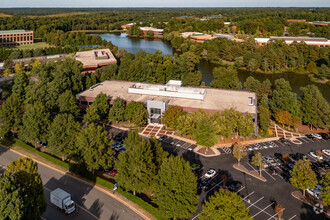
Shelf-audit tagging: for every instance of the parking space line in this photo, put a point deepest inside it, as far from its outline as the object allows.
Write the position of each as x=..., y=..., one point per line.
x=251, y=166
x=195, y=217
x=302, y=139
x=269, y=174
x=311, y=157
x=263, y=210
x=241, y=189
x=184, y=144
x=280, y=143
x=247, y=196
x=214, y=187
x=255, y=202
x=274, y=215
x=292, y=217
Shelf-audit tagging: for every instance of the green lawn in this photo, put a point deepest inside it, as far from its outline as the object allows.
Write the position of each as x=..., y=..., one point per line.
x=32, y=46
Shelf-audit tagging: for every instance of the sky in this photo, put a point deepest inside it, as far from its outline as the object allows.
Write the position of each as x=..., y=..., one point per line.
x=163, y=3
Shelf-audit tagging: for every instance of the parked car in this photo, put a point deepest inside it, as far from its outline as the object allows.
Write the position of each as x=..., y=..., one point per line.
x=278, y=162
x=326, y=152
x=310, y=136
x=272, y=170
x=326, y=164
x=210, y=173
x=315, y=192
x=325, y=136
x=195, y=167
x=119, y=147
x=314, y=155
x=118, y=137
x=317, y=136
x=206, y=183
x=269, y=160
x=301, y=156
x=278, y=156
x=284, y=141
x=234, y=186
x=113, y=172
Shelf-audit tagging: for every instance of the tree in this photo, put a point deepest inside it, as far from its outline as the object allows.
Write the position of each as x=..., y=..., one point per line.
x=325, y=188
x=137, y=168
x=264, y=119
x=21, y=81
x=312, y=68
x=283, y=99
x=91, y=115
x=257, y=161
x=226, y=78
x=67, y=103
x=171, y=115
x=11, y=113
x=238, y=151
x=283, y=117
x=315, y=109
x=101, y=105
x=225, y=205
x=93, y=146
x=279, y=211
x=176, y=188
x=35, y=123
x=302, y=175
x=117, y=111
x=136, y=113
x=21, y=191
x=205, y=133
x=132, y=139
x=62, y=135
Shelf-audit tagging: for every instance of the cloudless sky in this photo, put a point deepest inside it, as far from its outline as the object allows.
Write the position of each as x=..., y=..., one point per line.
x=164, y=3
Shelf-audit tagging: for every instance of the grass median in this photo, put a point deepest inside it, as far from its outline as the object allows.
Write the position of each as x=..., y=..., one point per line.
x=98, y=180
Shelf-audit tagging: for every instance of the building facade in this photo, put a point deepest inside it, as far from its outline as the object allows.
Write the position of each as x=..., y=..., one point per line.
x=16, y=37
x=157, y=97
x=155, y=31
x=320, y=42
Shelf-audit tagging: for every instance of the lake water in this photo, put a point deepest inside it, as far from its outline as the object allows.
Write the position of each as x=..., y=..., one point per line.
x=132, y=45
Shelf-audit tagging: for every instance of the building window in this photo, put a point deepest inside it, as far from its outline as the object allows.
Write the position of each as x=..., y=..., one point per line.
x=155, y=111
x=251, y=101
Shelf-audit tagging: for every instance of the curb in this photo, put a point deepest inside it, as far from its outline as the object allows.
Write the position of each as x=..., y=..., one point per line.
x=247, y=172
x=92, y=184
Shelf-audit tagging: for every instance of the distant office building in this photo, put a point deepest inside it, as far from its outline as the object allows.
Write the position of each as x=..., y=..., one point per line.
x=125, y=26
x=188, y=34
x=228, y=36
x=320, y=42
x=94, y=59
x=213, y=16
x=320, y=23
x=16, y=37
x=296, y=20
x=157, y=97
x=185, y=17
x=155, y=31
x=201, y=38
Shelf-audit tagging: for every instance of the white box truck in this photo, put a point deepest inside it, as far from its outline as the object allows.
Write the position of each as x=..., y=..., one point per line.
x=62, y=200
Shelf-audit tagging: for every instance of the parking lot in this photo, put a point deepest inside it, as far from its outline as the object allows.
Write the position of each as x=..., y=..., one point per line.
x=260, y=197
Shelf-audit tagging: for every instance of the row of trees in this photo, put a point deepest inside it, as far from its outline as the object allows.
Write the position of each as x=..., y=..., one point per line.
x=278, y=101
x=273, y=57
x=205, y=127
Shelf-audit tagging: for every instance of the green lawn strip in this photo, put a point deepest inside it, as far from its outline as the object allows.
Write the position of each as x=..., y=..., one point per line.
x=137, y=200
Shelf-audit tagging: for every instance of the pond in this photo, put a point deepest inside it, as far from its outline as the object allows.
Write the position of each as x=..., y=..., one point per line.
x=132, y=45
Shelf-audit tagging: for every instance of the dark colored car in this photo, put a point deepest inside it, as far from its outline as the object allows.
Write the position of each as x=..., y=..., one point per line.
x=325, y=136
x=284, y=141
x=272, y=170
x=326, y=164
x=318, y=165
x=234, y=186
x=278, y=156
x=310, y=136
x=118, y=137
x=301, y=156
x=206, y=183
x=293, y=157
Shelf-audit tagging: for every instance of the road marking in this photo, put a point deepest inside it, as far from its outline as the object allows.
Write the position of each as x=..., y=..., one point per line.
x=311, y=157
x=86, y=210
x=263, y=210
x=269, y=174
x=255, y=202
x=248, y=196
x=195, y=217
x=251, y=166
x=302, y=139
x=274, y=215
x=241, y=189
x=92, y=184
x=280, y=143
x=214, y=187
x=292, y=217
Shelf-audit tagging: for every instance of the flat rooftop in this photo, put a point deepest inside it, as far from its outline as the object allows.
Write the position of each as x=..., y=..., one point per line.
x=14, y=31
x=214, y=99
x=95, y=57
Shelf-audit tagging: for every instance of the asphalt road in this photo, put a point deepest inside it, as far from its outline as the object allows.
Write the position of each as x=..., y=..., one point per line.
x=91, y=203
